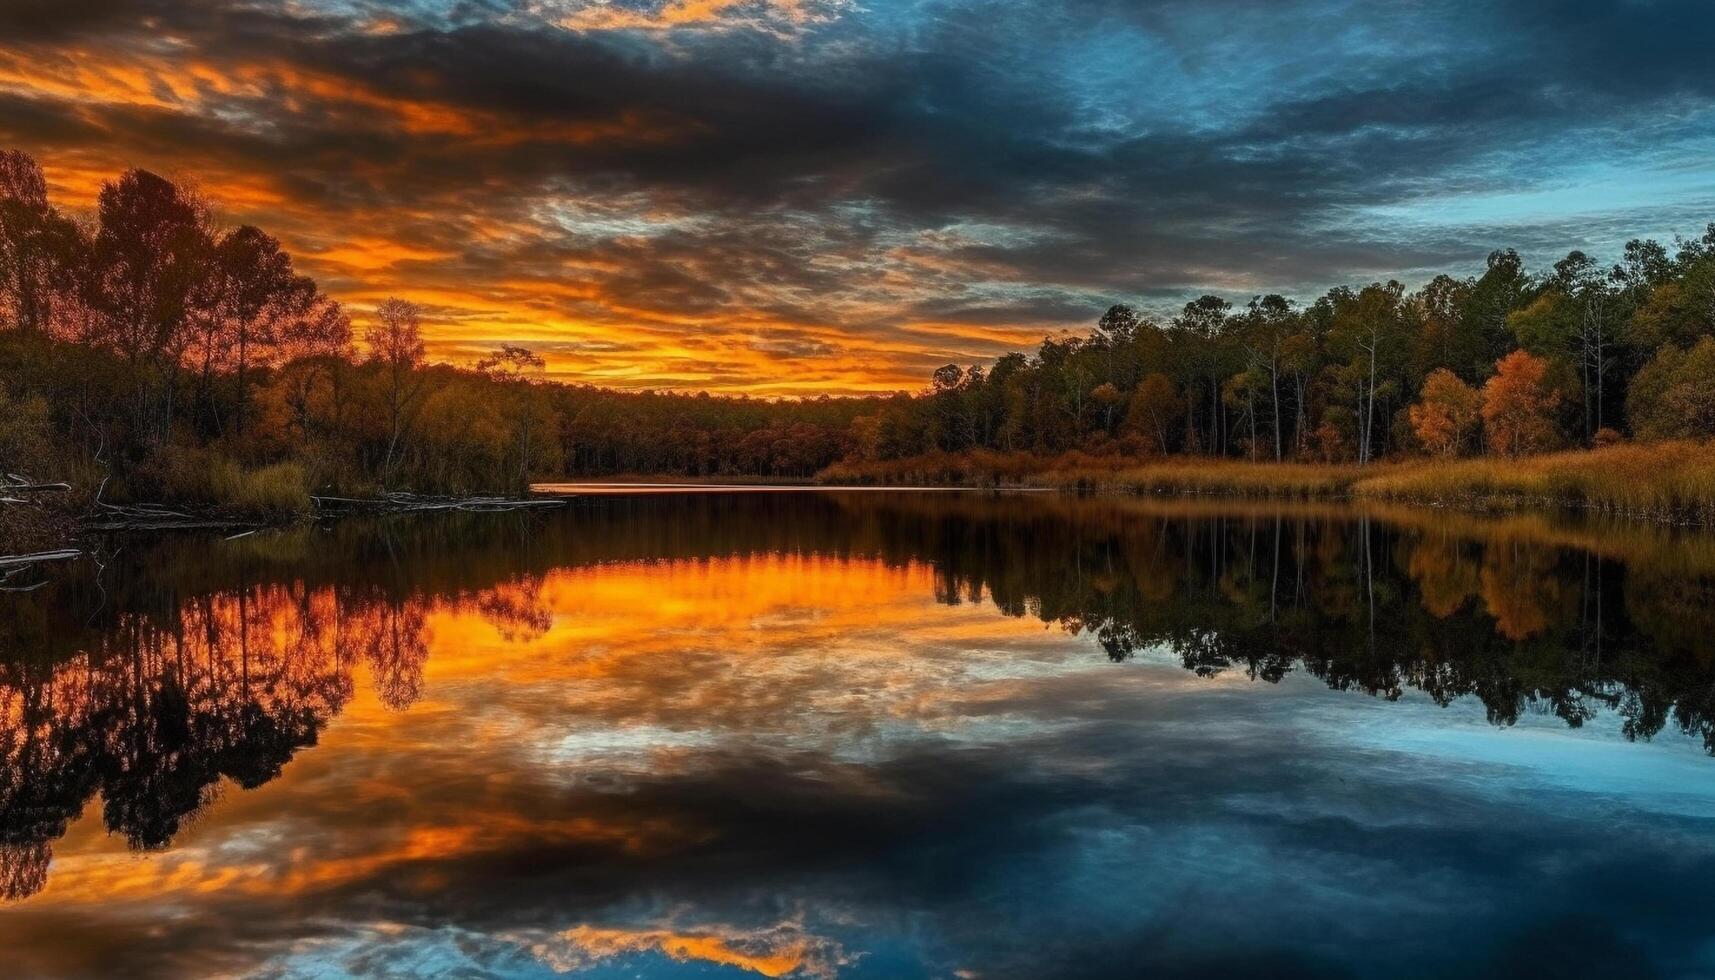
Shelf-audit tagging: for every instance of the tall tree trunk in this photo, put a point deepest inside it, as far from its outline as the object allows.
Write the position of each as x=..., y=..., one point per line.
x=1370, y=413
x=1190, y=419
x=1274, y=388
x=243, y=377
x=1250, y=409
x=1301, y=414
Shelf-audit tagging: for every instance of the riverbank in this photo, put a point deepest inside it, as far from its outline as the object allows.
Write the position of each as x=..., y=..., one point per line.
x=1666, y=482
x=32, y=528
x=1663, y=483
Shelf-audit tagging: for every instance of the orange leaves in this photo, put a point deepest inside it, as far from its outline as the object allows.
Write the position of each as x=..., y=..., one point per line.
x=1519, y=406
x=1444, y=419
x=1516, y=406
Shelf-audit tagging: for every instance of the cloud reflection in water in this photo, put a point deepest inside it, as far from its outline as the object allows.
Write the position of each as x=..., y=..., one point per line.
x=628, y=744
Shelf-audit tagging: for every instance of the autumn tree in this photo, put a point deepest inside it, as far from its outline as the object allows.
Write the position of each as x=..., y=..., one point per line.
x=395, y=341
x=1155, y=408
x=511, y=367
x=247, y=311
x=150, y=247
x=1446, y=414
x=1519, y=405
x=1673, y=396
x=1109, y=397
x=43, y=253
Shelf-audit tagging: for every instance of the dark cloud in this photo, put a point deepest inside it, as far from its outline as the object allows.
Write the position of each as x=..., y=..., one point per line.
x=969, y=846
x=34, y=20
x=1084, y=151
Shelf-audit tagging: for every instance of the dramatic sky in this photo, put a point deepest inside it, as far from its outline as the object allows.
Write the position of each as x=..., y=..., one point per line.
x=797, y=196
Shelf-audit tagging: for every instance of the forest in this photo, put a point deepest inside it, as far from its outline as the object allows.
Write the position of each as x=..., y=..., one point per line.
x=148, y=353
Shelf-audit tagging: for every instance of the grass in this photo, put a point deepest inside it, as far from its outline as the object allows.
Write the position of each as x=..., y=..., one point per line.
x=270, y=493
x=1664, y=481
x=978, y=468
x=267, y=494
x=1303, y=481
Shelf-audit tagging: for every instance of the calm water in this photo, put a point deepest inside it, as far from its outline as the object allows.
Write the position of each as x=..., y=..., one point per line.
x=867, y=735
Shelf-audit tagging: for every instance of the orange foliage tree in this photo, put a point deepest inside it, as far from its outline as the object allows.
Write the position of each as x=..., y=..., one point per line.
x=1519, y=405
x=1446, y=414
x=1155, y=408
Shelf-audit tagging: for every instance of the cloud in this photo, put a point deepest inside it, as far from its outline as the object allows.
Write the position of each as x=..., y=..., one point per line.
x=666, y=173
x=781, y=16
x=779, y=950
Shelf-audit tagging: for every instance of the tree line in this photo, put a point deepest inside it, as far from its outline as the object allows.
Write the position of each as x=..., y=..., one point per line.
x=1507, y=362
x=147, y=346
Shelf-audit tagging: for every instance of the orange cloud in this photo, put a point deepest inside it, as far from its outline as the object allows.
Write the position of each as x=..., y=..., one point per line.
x=583, y=281
x=603, y=16
x=777, y=951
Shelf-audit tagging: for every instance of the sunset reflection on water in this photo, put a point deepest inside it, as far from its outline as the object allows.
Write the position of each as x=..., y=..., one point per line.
x=884, y=738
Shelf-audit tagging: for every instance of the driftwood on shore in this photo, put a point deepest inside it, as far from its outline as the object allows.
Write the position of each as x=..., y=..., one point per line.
x=19, y=561
x=400, y=502
x=106, y=517
x=154, y=517
x=14, y=486
x=12, y=566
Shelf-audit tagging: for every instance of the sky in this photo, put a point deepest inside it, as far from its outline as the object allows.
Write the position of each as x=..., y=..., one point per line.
x=797, y=197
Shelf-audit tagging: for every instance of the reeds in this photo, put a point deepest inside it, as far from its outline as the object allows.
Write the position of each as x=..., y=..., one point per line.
x=1306, y=481
x=224, y=487
x=1663, y=481
x=270, y=493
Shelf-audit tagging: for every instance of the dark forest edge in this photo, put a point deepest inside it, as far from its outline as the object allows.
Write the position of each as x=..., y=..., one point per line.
x=151, y=356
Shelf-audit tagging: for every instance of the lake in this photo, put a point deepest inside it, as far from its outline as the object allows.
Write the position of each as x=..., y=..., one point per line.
x=867, y=735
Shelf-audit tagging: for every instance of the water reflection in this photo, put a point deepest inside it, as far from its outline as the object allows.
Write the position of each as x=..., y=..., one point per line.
x=785, y=734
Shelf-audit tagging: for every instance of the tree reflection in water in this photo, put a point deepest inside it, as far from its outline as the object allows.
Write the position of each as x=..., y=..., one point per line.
x=189, y=662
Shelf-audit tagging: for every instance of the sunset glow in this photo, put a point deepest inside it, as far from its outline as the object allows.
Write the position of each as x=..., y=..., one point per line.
x=798, y=197
x=856, y=489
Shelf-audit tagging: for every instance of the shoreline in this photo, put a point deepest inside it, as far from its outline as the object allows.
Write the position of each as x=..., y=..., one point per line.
x=1668, y=484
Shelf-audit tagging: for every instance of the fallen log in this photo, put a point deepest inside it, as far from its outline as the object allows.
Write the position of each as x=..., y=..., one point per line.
x=170, y=524
x=13, y=483
x=401, y=502
x=18, y=561
x=145, y=511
